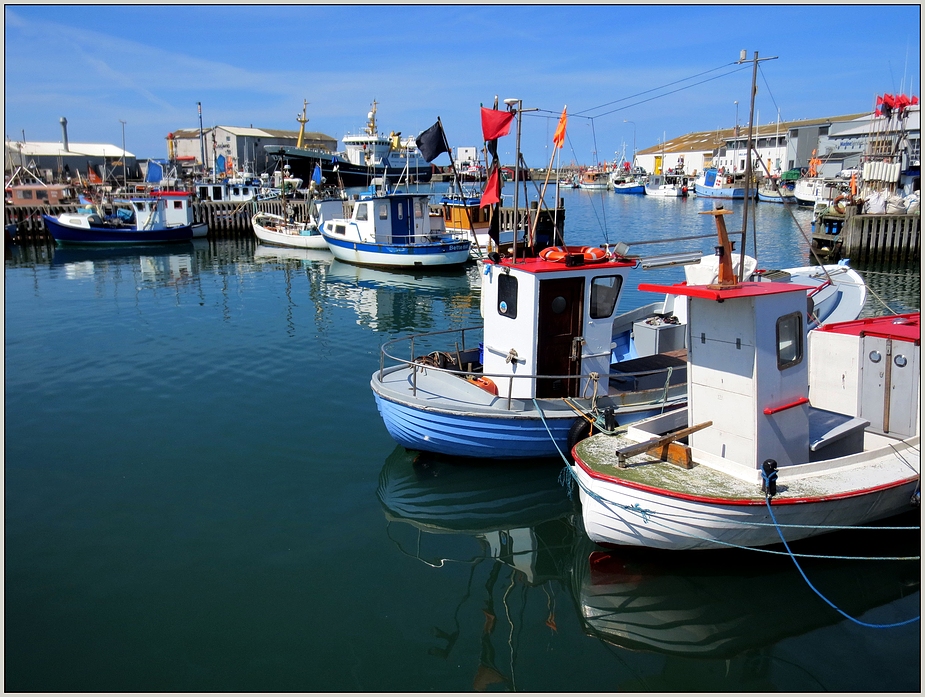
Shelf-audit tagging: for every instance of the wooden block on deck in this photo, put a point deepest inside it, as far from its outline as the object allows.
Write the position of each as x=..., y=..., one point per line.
x=675, y=453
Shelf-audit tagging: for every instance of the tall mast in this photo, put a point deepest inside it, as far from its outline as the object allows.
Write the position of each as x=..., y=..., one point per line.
x=748, y=159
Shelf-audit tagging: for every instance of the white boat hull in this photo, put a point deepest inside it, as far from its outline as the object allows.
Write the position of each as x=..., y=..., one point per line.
x=418, y=254
x=274, y=229
x=877, y=484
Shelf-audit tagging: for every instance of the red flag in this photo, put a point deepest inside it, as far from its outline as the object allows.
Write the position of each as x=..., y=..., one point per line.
x=559, y=136
x=496, y=123
x=492, y=192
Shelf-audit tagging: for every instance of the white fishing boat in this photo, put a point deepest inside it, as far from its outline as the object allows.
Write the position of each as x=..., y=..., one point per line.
x=178, y=210
x=660, y=185
x=594, y=180
x=394, y=230
x=286, y=231
x=786, y=436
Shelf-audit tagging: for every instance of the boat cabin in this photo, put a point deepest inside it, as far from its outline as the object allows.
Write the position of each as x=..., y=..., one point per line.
x=177, y=207
x=41, y=195
x=150, y=212
x=549, y=316
x=397, y=218
x=748, y=374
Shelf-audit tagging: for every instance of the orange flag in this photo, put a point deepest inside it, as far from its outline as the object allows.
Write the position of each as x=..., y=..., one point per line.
x=559, y=136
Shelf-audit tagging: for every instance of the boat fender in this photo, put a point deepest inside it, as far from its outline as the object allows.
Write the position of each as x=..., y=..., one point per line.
x=486, y=384
x=580, y=430
x=589, y=255
x=843, y=200
x=769, y=477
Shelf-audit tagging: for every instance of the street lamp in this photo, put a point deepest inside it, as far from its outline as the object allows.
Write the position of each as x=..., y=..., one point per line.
x=124, y=179
x=634, y=140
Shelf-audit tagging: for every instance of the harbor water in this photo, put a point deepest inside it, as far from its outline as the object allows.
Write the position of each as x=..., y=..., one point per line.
x=200, y=496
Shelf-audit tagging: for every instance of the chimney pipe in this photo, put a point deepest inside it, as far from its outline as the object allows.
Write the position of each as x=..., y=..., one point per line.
x=64, y=132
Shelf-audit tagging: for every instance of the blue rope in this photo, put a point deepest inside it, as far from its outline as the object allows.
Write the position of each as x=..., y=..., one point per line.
x=841, y=612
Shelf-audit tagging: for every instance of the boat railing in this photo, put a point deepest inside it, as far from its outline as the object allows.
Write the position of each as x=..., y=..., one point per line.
x=594, y=383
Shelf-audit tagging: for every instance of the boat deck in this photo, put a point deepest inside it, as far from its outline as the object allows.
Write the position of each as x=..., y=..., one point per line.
x=879, y=465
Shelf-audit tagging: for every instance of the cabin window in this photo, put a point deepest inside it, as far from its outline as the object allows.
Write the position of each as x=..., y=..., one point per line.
x=789, y=340
x=401, y=211
x=604, y=292
x=178, y=205
x=362, y=213
x=25, y=194
x=507, y=296
x=139, y=206
x=235, y=191
x=41, y=195
x=383, y=211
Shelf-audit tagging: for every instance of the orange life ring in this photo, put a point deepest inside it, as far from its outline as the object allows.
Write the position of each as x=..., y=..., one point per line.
x=486, y=384
x=729, y=180
x=842, y=200
x=591, y=255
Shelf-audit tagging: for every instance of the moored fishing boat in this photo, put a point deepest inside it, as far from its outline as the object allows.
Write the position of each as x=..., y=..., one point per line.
x=660, y=185
x=786, y=437
x=594, y=180
x=393, y=229
x=713, y=183
x=286, y=231
x=135, y=220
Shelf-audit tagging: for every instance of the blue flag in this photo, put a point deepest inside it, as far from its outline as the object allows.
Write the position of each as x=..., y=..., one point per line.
x=316, y=175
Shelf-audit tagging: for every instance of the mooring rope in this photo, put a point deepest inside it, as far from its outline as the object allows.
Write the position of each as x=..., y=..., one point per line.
x=828, y=602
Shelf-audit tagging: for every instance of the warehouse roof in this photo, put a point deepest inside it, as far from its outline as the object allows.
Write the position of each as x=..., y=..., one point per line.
x=710, y=140
x=33, y=149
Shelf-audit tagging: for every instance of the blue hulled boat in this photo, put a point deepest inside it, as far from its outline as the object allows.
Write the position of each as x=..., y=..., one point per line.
x=135, y=220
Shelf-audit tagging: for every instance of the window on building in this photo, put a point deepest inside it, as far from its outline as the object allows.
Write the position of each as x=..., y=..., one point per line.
x=789, y=340
x=604, y=292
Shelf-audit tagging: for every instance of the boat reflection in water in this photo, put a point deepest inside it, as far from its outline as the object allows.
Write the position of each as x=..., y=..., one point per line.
x=729, y=604
x=266, y=252
x=154, y=265
x=510, y=525
x=392, y=300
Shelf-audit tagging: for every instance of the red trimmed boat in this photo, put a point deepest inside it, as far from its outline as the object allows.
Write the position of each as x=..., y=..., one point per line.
x=787, y=434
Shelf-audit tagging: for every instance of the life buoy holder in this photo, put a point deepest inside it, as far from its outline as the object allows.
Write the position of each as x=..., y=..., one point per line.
x=486, y=384
x=729, y=180
x=591, y=255
x=843, y=201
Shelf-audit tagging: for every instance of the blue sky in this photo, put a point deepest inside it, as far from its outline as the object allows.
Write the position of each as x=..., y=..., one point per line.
x=252, y=65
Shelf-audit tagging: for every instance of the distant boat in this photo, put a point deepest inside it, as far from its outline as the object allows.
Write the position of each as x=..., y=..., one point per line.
x=715, y=184
x=776, y=192
x=285, y=231
x=394, y=230
x=624, y=182
x=136, y=220
x=661, y=186
x=367, y=157
x=594, y=180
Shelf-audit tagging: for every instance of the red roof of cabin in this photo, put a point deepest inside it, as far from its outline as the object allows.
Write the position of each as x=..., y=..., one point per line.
x=743, y=290
x=901, y=327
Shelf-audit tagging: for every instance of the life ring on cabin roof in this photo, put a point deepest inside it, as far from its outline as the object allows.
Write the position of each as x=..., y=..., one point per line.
x=591, y=255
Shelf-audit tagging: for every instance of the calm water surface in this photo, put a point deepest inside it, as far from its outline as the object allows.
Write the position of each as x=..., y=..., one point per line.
x=200, y=496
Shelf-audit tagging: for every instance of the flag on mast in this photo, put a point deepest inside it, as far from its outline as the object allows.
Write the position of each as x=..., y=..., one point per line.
x=559, y=136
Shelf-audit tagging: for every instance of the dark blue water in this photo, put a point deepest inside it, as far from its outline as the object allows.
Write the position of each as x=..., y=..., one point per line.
x=200, y=496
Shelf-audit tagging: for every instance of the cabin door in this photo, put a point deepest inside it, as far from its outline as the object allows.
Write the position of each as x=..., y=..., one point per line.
x=402, y=221
x=558, y=351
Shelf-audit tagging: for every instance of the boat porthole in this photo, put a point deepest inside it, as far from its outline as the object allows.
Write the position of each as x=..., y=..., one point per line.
x=875, y=356
x=558, y=305
x=900, y=361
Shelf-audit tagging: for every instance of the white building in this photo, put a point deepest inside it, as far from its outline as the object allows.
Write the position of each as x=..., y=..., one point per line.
x=235, y=148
